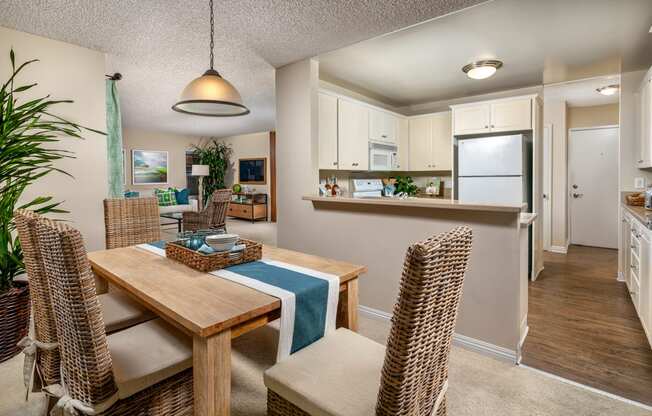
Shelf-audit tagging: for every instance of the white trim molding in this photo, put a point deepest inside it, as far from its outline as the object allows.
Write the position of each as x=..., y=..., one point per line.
x=460, y=340
x=558, y=249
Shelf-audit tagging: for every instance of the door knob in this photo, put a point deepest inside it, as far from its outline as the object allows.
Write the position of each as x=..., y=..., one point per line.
x=574, y=186
x=576, y=195
x=545, y=196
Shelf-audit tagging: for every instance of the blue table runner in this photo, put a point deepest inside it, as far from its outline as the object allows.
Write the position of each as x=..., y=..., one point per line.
x=308, y=297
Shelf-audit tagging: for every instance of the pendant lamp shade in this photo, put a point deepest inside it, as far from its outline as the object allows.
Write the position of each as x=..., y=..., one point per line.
x=210, y=94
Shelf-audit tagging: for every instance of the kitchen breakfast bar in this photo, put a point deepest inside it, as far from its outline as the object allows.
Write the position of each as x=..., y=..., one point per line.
x=377, y=232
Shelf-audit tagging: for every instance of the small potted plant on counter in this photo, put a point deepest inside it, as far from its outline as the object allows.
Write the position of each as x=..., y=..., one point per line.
x=404, y=185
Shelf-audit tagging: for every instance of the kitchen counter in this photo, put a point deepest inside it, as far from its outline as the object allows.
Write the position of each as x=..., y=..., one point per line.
x=640, y=213
x=433, y=203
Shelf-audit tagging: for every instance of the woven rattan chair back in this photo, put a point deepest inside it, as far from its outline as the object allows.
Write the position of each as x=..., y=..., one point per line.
x=48, y=361
x=86, y=366
x=131, y=221
x=415, y=371
x=219, y=205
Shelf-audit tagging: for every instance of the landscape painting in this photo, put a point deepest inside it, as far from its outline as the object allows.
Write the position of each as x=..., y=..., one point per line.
x=149, y=167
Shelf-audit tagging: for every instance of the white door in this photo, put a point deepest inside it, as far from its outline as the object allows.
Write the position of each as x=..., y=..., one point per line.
x=327, y=131
x=593, y=181
x=547, y=186
x=491, y=156
x=491, y=190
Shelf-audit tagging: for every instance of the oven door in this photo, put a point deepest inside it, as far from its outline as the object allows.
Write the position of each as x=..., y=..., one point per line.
x=380, y=159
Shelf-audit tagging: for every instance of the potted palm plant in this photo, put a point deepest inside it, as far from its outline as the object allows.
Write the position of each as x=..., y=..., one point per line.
x=28, y=134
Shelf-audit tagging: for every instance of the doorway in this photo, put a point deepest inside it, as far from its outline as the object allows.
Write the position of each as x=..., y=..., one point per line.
x=593, y=186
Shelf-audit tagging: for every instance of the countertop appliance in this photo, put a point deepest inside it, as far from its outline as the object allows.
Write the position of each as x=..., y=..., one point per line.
x=383, y=157
x=367, y=188
x=494, y=169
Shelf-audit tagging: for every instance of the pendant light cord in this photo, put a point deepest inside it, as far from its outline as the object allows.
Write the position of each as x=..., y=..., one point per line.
x=212, y=34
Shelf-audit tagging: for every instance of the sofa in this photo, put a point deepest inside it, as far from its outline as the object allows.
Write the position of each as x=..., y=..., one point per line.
x=192, y=206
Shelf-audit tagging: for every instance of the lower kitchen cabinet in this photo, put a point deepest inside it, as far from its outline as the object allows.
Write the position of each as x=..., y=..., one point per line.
x=637, y=267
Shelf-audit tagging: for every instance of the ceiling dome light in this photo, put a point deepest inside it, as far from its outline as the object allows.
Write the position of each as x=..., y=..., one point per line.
x=481, y=69
x=210, y=94
x=609, y=89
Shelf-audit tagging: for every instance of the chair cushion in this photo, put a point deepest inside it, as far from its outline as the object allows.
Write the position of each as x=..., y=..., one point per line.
x=146, y=354
x=337, y=375
x=120, y=311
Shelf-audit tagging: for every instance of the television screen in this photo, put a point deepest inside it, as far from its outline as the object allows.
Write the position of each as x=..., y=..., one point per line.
x=252, y=170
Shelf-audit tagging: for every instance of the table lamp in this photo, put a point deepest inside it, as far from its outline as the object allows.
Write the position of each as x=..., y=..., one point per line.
x=200, y=171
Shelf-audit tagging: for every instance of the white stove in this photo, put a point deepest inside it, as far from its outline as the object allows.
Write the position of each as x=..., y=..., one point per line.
x=367, y=188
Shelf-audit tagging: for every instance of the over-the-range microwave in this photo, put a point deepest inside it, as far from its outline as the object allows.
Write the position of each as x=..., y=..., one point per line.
x=383, y=157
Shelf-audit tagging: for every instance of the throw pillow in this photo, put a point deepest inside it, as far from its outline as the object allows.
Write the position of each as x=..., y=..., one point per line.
x=132, y=194
x=182, y=196
x=165, y=197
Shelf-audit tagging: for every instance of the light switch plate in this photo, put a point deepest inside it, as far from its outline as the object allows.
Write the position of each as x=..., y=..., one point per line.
x=639, y=183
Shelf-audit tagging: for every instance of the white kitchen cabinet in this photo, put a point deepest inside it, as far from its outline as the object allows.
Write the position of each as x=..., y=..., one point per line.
x=403, y=141
x=327, y=131
x=644, y=142
x=353, y=136
x=512, y=114
x=430, y=142
x=637, y=268
x=382, y=126
x=472, y=119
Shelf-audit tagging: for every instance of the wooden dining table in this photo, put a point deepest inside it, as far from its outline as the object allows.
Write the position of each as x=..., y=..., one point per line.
x=212, y=310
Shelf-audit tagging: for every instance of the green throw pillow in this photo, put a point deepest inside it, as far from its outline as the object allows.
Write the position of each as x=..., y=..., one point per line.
x=165, y=197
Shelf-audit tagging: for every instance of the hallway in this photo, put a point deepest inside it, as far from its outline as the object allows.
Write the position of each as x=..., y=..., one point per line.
x=583, y=325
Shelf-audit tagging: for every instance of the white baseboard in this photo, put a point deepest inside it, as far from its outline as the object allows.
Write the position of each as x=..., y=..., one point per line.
x=460, y=340
x=558, y=249
x=525, y=329
x=620, y=277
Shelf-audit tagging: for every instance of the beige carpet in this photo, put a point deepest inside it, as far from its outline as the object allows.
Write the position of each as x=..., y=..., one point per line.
x=479, y=385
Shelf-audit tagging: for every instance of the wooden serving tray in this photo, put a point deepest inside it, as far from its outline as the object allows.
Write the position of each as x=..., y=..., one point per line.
x=215, y=261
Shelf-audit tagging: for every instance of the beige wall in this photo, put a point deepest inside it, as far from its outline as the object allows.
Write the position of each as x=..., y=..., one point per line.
x=593, y=116
x=378, y=237
x=248, y=146
x=555, y=114
x=68, y=72
x=175, y=145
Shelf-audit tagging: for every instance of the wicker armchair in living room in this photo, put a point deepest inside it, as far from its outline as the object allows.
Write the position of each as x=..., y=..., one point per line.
x=346, y=374
x=143, y=370
x=213, y=216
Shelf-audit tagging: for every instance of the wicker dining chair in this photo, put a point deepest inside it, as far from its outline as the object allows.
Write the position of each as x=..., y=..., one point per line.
x=345, y=374
x=41, y=354
x=131, y=221
x=213, y=216
x=143, y=370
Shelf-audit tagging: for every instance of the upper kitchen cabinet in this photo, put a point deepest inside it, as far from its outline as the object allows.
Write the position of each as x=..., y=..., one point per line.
x=403, y=141
x=353, y=137
x=510, y=114
x=327, y=131
x=644, y=142
x=430, y=142
x=382, y=126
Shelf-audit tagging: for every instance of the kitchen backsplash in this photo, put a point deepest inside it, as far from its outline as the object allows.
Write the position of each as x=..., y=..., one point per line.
x=344, y=178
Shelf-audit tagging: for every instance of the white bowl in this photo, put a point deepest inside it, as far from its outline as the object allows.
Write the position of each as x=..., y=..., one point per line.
x=222, y=246
x=221, y=238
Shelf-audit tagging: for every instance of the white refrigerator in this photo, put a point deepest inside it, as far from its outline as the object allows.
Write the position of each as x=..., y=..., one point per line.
x=493, y=170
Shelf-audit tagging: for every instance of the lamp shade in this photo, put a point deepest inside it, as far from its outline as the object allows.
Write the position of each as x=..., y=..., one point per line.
x=211, y=95
x=199, y=170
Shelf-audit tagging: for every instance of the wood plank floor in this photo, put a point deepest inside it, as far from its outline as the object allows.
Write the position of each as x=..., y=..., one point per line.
x=583, y=325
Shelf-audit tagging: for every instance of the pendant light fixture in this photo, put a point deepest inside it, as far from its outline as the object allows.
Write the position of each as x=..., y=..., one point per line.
x=211, y=95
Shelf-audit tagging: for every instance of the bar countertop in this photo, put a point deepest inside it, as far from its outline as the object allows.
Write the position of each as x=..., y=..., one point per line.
x=417, y=203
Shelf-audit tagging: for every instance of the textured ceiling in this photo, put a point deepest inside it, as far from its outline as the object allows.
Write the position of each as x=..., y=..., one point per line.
x=555, y=40
x=159, y=46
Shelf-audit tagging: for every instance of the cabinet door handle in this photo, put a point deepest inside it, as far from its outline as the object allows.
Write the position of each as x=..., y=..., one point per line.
x=640, y=161
x=334, y=163
x=492, y=126
x=383, y=135
x=354, y=164
x=486, y=126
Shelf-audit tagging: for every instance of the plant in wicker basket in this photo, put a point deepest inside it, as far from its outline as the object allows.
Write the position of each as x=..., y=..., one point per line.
x=28, y=132
x=216, y=155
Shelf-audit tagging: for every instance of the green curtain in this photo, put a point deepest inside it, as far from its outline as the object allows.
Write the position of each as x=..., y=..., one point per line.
x=114, y=141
